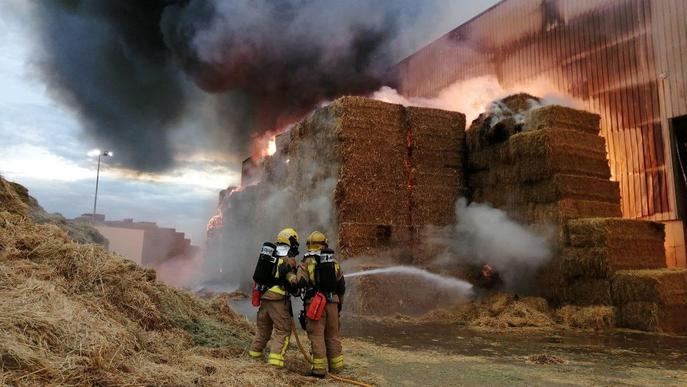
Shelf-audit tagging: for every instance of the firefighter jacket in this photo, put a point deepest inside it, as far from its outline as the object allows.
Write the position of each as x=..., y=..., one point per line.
x=286, y=277
x=307, y=278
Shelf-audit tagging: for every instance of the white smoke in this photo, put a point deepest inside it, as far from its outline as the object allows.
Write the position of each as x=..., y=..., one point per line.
x=297, y=192
x=486, y=235
x=477, y=95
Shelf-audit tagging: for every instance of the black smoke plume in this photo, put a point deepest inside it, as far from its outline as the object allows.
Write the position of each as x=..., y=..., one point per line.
x=132, y=69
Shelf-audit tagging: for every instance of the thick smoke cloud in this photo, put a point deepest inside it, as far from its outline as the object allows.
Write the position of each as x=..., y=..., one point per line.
x=135, y=71
x=107, y=61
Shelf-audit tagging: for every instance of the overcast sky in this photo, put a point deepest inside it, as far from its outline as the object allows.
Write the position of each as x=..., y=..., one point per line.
x=43, y=147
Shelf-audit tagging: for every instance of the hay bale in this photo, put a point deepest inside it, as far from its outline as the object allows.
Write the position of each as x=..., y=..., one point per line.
x=661, y=286
x=653, y=317
x=643, y=316
x=507, y=190
x=614, y=232
x=379, y=236
x=572, y=187
x=603, y=262
x=568, y=209
x=549, y=281
x=548, y=142
x=362, y=169
x=544, y=153
x=586, y=292
x=428, y=121
x=598, y=318
x=353, y=117
x=427, y=210
x=568, y=163
x=373, y=205
x=443, y=178
x=440, y=161
x=559, y=117
x=488, y=157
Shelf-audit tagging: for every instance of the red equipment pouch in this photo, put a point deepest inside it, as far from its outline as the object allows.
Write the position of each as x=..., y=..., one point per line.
x=255, y=299
x=319, y=301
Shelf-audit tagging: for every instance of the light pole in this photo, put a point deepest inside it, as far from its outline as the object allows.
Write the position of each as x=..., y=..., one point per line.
x=97, y=177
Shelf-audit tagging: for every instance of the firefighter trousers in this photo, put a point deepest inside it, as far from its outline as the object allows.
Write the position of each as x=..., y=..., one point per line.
x=325, y=342
x=274, y=319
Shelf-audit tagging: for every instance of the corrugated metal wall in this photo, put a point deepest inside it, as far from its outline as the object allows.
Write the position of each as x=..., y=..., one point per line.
x=625, y=59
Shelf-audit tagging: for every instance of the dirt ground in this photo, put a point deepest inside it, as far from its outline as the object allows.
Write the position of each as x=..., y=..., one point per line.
x=432, y=355
x=409, y=354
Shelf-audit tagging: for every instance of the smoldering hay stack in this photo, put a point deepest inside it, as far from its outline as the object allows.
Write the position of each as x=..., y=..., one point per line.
x=77, y=315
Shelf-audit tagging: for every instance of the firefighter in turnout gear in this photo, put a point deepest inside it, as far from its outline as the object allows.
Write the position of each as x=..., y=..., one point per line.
x=321, y=276
x=274, y=278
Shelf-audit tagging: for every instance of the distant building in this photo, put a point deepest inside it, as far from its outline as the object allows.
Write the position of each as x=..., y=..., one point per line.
x=145, y=243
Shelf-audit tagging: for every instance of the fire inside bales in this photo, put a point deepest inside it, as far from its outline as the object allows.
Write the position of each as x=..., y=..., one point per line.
x=383, y=182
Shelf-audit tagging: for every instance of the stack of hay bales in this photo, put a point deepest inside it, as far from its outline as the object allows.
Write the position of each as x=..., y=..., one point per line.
x=596, y=248
x=436, y=158
x=391, y=163
x=550, y=168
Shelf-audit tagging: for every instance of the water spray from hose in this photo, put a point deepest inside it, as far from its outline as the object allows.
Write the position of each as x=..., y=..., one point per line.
x=449, y=283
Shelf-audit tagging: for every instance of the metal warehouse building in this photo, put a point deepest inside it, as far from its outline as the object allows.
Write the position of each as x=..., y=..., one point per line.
x=625, y=59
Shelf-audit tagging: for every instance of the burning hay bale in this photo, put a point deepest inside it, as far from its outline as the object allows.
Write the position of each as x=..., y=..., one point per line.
x=562, y=118
x=389, y=162
x=548, y=166
x=503, y=119
x=79, y=315
x=552, y=167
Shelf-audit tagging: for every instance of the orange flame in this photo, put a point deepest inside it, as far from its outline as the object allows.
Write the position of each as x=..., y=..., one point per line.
x=265, y=145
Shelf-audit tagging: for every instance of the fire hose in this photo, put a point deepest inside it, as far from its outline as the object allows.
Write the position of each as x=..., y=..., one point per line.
x=309, y=359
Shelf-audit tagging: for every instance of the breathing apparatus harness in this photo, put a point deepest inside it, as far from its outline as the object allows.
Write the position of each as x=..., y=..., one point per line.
x=322, y=287
x=266, y=273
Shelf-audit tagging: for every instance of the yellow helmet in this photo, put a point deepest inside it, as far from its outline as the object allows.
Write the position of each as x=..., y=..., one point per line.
x=316, y=241
x=286, y=236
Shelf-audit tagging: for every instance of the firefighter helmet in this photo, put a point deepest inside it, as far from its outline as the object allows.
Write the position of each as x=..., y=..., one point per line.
x=288, y=236
x=316, y=241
